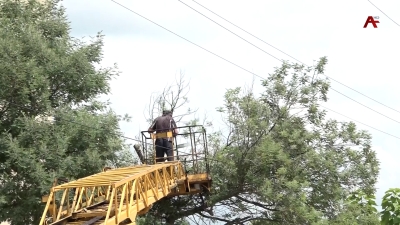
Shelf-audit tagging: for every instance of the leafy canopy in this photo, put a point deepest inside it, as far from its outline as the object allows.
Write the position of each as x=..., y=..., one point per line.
x=282, y=160
x=44, y=72
x=390, y=214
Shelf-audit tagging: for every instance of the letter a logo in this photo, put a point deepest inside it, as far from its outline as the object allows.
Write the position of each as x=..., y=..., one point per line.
x=371, y=20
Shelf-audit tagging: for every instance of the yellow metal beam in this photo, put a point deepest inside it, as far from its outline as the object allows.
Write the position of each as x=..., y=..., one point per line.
x=127, y=192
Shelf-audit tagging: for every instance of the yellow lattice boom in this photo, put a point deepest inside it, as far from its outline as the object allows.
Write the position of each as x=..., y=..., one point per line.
x=117, y=196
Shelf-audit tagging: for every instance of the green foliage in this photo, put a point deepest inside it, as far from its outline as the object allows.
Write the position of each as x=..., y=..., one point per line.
x=352, y=214
x=359, y=208
x=45, y=72
x=390, y=214
x=148, y=219
x=366, y=202
x=42, y=66
x=43, y=151
x=285, y=158
x=282, y=161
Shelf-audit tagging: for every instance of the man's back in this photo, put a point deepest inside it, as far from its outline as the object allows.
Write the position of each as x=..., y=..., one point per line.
x=164, y=145
x=163, y=124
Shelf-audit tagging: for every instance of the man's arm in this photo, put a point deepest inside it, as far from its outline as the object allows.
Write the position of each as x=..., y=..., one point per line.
x=152, y=128
x=174, y=126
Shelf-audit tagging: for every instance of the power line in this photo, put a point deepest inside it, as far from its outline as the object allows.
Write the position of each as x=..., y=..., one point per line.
x=214, y=53
x=281, y=60
x=360, y=122
x=280, y=51
x=233, y=33
x=244, y=31
x=74, y=122
x=87, y=126
x=383, y=12
x=95, y=128
x=187, y=39
x=204, y=158
x=367, y=106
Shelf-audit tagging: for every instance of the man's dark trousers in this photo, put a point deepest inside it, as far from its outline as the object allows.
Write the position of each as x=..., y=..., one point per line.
x=163, y=146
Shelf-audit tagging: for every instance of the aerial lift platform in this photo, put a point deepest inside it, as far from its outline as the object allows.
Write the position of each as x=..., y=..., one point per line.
x=117, y=196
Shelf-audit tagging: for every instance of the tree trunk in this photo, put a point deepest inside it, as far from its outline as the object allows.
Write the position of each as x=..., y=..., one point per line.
x=170, y=220
x=137, y=148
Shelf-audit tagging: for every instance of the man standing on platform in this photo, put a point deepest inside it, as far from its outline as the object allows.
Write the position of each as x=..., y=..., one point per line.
x=163, y=124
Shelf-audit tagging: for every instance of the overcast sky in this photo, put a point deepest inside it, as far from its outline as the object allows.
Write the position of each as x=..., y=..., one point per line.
x=149, y=57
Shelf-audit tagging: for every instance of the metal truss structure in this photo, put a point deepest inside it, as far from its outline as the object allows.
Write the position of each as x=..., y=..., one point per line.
x=118, y=196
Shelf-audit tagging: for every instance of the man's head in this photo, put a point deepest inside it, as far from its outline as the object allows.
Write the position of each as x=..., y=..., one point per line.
x=167, y=112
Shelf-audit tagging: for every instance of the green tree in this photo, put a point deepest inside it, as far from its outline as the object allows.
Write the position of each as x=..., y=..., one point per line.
x=44, y=72
x=282, y=160
x=359, y=208
x=390, y=214
x=285, y=162
x=150, y=219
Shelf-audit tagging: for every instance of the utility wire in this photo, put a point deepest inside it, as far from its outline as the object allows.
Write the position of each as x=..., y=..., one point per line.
x=74, y=122
x=224, y=58
x=206, y=158
x=233, y=32
x=87, y=126
x=115, y=133
x=366, y=106
x=187, y=39
x=279, y=51
x=216, y=54
x=360, y=122
x=383, y=13
x=244, y=30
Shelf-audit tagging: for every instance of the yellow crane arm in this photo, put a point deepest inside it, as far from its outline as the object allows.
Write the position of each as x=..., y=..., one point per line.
x=119, y=195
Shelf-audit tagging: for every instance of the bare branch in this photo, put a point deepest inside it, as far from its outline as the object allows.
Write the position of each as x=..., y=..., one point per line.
x=173, y=97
